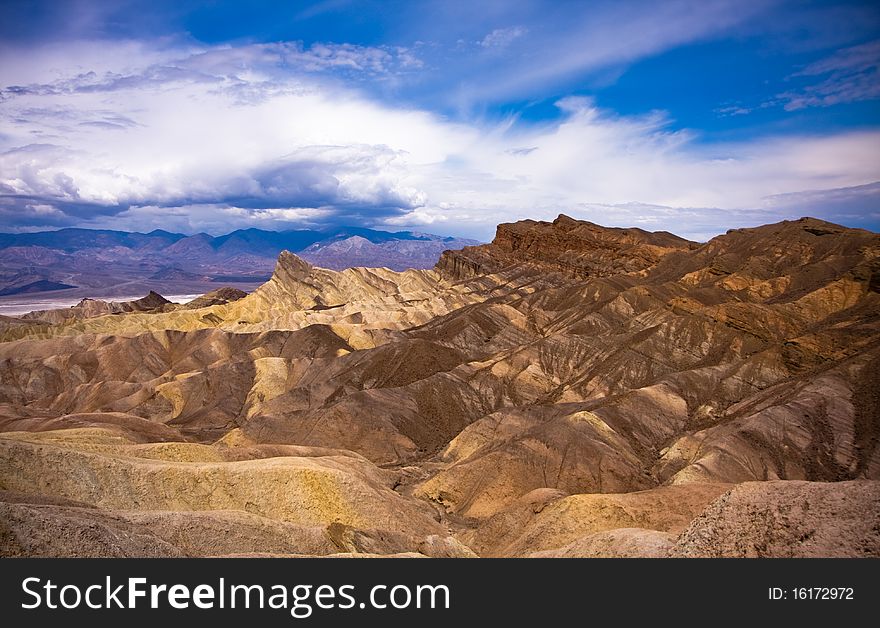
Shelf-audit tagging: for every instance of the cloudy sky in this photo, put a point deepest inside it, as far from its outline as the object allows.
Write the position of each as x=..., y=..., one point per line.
x=446, y=117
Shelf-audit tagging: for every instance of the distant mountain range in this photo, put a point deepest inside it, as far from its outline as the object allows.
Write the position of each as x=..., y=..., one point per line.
x=568, y=390
x=92, y=262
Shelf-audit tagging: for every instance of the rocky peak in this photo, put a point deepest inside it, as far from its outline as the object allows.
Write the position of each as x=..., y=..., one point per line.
x=291, y=267
x=215, y=297
x=567, y=222
x=754, y=361
x=799, y=255
x=152, y=300
x=572, y=246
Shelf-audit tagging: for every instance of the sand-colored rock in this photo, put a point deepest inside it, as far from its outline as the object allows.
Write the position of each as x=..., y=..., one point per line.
x=305, y=491
x=218, y=533
x=61, y=532
x=542, y=520
x=353, y=301
x=540, y=393
x=788, y=519
x=91, y=308
x=618, y=543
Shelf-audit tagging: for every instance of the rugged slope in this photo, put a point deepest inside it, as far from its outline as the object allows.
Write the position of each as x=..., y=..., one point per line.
x=565, y=390
x=683, y=374
x=85, y=262
x=787, y=519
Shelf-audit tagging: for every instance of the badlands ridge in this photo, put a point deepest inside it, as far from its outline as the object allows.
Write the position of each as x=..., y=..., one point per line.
x=567, y=390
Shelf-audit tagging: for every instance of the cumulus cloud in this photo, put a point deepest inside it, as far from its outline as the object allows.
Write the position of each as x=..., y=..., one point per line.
x=227, y=65
x=251, y=128
x=213, y=138
x=213, y=219
x=594, y=159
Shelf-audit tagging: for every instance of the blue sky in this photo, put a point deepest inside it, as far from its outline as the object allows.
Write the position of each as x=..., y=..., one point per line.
x=449, y=117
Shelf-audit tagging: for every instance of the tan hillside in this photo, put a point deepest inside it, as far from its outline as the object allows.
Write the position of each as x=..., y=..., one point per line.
x=567, y=390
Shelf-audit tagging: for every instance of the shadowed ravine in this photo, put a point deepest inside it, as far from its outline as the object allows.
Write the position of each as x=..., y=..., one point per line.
x=567, y=390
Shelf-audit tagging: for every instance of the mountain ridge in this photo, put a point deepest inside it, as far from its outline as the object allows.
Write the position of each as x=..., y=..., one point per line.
x=103, y=263
x=567, y=389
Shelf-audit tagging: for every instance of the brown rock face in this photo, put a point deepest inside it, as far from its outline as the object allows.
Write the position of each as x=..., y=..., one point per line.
x=574, y=246
x=619, y=543
x=567, y=390
x=58, y=532
x=89, y=308
x=220, y=296
x=788, y=519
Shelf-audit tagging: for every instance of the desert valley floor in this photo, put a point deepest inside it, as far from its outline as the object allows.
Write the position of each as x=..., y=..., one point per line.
x=567, y=390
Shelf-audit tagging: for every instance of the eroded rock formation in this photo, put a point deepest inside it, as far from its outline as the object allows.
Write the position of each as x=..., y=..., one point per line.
x=566, y=390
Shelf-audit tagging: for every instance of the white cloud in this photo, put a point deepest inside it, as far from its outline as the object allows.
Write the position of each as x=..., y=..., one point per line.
x=502, y=37
x=589, y=38
x=212, y=218
x=195, y=154
x=850, y=75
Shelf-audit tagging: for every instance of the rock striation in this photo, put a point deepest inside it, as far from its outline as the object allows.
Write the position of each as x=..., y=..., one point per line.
x=566, y=390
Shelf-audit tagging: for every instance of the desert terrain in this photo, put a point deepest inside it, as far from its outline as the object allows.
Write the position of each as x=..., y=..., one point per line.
x=46, y=269
x=568, y=390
